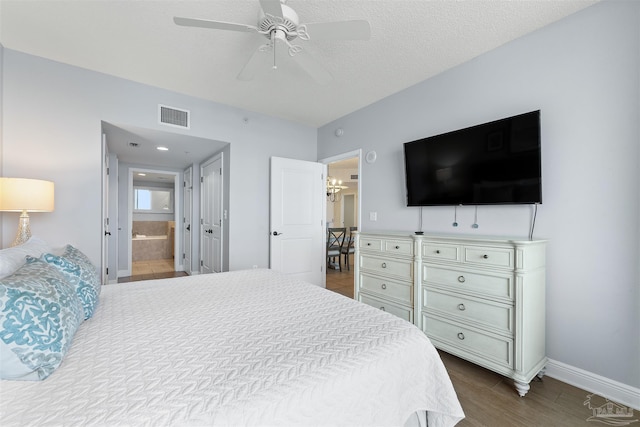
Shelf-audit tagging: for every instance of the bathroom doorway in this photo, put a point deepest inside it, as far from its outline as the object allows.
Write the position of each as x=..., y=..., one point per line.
x=154, y=241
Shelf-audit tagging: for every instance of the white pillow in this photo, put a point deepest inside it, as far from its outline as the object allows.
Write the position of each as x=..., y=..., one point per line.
x=13, y=258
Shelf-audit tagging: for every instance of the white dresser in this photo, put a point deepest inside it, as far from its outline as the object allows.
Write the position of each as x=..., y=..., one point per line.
x=482, y=299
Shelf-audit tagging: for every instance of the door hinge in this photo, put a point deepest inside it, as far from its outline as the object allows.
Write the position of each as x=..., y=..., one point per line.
x=184, y=256
x=202, y=179
x=201, y=263
x=107, y=269
x=220, y=171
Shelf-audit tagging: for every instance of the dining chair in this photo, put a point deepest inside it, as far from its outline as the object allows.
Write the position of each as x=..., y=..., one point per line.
x=335, y=241
x=349, y=247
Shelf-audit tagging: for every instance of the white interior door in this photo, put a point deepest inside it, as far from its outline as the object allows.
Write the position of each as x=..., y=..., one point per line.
x=211, y=216
x=186, y=220
x=105, y=211
x=297, y=231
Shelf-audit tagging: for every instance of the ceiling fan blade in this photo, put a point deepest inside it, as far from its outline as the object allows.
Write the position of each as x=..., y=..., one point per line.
x=216, y=25
x=313, y=67
x=339, y=30
x=272, y=7
x=257, y=61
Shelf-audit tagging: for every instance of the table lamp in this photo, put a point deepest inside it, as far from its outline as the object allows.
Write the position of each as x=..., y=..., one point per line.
x=25, y=195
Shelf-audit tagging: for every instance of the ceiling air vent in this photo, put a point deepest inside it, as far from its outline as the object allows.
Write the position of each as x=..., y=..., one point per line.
x=173, y=116
x=354, y=177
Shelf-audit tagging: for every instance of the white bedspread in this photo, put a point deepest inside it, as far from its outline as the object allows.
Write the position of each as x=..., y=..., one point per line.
x=242, y=348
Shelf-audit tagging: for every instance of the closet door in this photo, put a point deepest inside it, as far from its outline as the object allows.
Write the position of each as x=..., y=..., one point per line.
x=211, y=216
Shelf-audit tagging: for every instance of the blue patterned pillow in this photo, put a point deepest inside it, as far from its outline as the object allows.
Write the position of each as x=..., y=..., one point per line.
x=73, y=273
x=39, y=315
x=88, y=271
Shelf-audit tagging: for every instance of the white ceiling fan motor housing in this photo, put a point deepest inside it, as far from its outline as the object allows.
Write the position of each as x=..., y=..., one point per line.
x=287, y=24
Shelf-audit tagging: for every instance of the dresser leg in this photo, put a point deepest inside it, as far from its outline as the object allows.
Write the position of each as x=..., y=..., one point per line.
x=542, y=372
x=521, y=387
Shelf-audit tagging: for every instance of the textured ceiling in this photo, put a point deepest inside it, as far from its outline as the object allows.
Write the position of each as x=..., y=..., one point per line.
x=137, y=40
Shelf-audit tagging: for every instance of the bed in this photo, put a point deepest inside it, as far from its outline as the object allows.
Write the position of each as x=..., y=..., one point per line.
x=252, y=347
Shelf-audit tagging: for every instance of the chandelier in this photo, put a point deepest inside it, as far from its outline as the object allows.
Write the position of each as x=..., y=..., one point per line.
x=333, y=187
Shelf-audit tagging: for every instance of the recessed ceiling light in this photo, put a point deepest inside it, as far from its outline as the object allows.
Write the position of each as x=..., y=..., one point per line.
x=142, y=174
x=162, y=148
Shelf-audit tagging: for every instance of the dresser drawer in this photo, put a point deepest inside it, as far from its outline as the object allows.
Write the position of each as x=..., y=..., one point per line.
x=441, y=251
x=483, y=284
x=400, y=268
x=387, y=289
x=390, y=246
x=370, y=244
x=492, y=348
x=493, y=257
x=397, y=310
x=398, y=247
x=483, y=313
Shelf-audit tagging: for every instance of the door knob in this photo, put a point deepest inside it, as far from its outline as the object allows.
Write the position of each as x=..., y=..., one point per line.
x=275, y=233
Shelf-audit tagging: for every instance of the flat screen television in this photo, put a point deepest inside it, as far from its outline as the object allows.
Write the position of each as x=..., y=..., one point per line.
x=493, y=163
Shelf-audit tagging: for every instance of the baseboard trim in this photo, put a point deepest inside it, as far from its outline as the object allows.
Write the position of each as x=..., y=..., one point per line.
x=594, y=383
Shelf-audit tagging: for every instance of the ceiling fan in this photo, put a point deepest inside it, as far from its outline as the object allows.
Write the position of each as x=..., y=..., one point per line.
x=279, y=23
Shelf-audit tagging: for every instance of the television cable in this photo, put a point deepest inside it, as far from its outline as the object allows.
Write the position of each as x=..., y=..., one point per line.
x=533, y=221
x=475, y=219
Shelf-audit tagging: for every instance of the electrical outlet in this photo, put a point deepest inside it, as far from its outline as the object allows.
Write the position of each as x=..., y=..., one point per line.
x=373, y=216
x=255, y=266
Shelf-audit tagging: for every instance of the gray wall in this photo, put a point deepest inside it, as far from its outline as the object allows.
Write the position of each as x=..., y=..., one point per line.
x=52, y=116
x=583, y=73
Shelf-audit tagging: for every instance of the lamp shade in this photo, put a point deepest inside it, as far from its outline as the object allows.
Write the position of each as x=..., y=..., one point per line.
x=21, y=194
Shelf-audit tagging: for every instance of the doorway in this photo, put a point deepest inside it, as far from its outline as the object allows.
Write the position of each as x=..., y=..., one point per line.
x=343, y=211
x=154, y=241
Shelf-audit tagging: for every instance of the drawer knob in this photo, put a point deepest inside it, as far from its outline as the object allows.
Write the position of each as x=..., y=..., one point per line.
x=397, y=247
x=460, y=336
x=461, y=307
x=368, y=244
x=437, y=251
x=384, y=265
x=382, y=308
x=384, y=286
x=485, y=256
x=461, y=279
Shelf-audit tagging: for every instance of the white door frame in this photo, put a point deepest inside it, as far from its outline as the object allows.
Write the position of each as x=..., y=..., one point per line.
x=177, y=201
x=349, y=155
x=187, y=245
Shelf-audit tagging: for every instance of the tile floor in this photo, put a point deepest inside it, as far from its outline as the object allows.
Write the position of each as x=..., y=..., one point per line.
x=152, y=269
